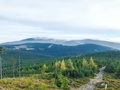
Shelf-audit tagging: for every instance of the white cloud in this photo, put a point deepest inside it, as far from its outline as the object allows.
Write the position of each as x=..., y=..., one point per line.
x=60, y=18
x=90, y=13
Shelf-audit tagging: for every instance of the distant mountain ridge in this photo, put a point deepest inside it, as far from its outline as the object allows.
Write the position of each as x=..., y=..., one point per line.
x=54, y=50
x=65, y=42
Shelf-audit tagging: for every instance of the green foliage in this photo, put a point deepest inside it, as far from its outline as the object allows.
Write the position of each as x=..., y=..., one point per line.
x=1, y=50
x=62, y=82
x=59, y=73
x=85, y=63
x=118, y=73
x=70, y=64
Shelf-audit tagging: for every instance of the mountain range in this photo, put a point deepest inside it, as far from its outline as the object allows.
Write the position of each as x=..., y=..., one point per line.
x=53, y=47
x=65, y=42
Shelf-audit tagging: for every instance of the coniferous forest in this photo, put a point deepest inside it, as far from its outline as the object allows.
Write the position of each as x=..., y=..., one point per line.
x=62, y=73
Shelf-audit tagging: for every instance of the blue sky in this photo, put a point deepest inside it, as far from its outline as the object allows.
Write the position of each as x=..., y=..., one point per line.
x=60, y=19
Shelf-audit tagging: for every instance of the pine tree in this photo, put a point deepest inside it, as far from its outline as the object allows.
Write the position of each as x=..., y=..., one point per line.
x=43, y=70
x=118, y=73
x=13, y=66
x=1, y=52
x=19, y=68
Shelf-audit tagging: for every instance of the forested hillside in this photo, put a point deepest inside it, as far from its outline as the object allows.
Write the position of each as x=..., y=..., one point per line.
x=60, y=73
x=54, y=50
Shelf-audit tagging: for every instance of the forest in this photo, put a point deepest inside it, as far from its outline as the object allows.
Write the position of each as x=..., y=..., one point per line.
x=62, y=73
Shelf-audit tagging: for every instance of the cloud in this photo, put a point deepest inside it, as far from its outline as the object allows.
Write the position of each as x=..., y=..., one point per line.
x=71, y=19
x=90, y=13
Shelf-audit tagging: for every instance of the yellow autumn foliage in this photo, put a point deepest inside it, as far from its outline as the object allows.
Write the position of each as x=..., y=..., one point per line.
x=63, y=65
x=71, y=64
x=92, y=63
x=57, y=64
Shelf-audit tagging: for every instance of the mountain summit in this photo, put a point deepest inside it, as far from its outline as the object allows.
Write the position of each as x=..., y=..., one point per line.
x=65, y=42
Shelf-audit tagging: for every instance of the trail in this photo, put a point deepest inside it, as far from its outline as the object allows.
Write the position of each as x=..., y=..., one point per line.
x=93, y=82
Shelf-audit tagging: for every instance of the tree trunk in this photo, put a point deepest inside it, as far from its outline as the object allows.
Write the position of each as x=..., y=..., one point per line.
x=19, y=70
x=13, y=67
x=0, y=67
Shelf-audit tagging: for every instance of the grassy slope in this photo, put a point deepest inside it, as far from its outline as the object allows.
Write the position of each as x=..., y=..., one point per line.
x=112, y=83
x=36, y=82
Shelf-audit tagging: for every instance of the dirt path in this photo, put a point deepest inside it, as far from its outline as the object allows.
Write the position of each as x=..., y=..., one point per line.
x=93, y=82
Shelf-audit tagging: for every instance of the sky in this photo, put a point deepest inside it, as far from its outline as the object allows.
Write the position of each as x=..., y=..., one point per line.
x=60, y=19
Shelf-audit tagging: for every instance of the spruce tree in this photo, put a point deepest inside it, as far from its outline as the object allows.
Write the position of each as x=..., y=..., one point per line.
x=1, y=52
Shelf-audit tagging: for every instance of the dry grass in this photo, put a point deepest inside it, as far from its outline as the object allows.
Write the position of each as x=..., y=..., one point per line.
x=112, y=83
x=27, y=83
x=35, y=82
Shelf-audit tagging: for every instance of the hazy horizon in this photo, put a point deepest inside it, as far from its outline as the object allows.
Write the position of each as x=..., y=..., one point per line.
x=57, y=39
x=60, y=19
